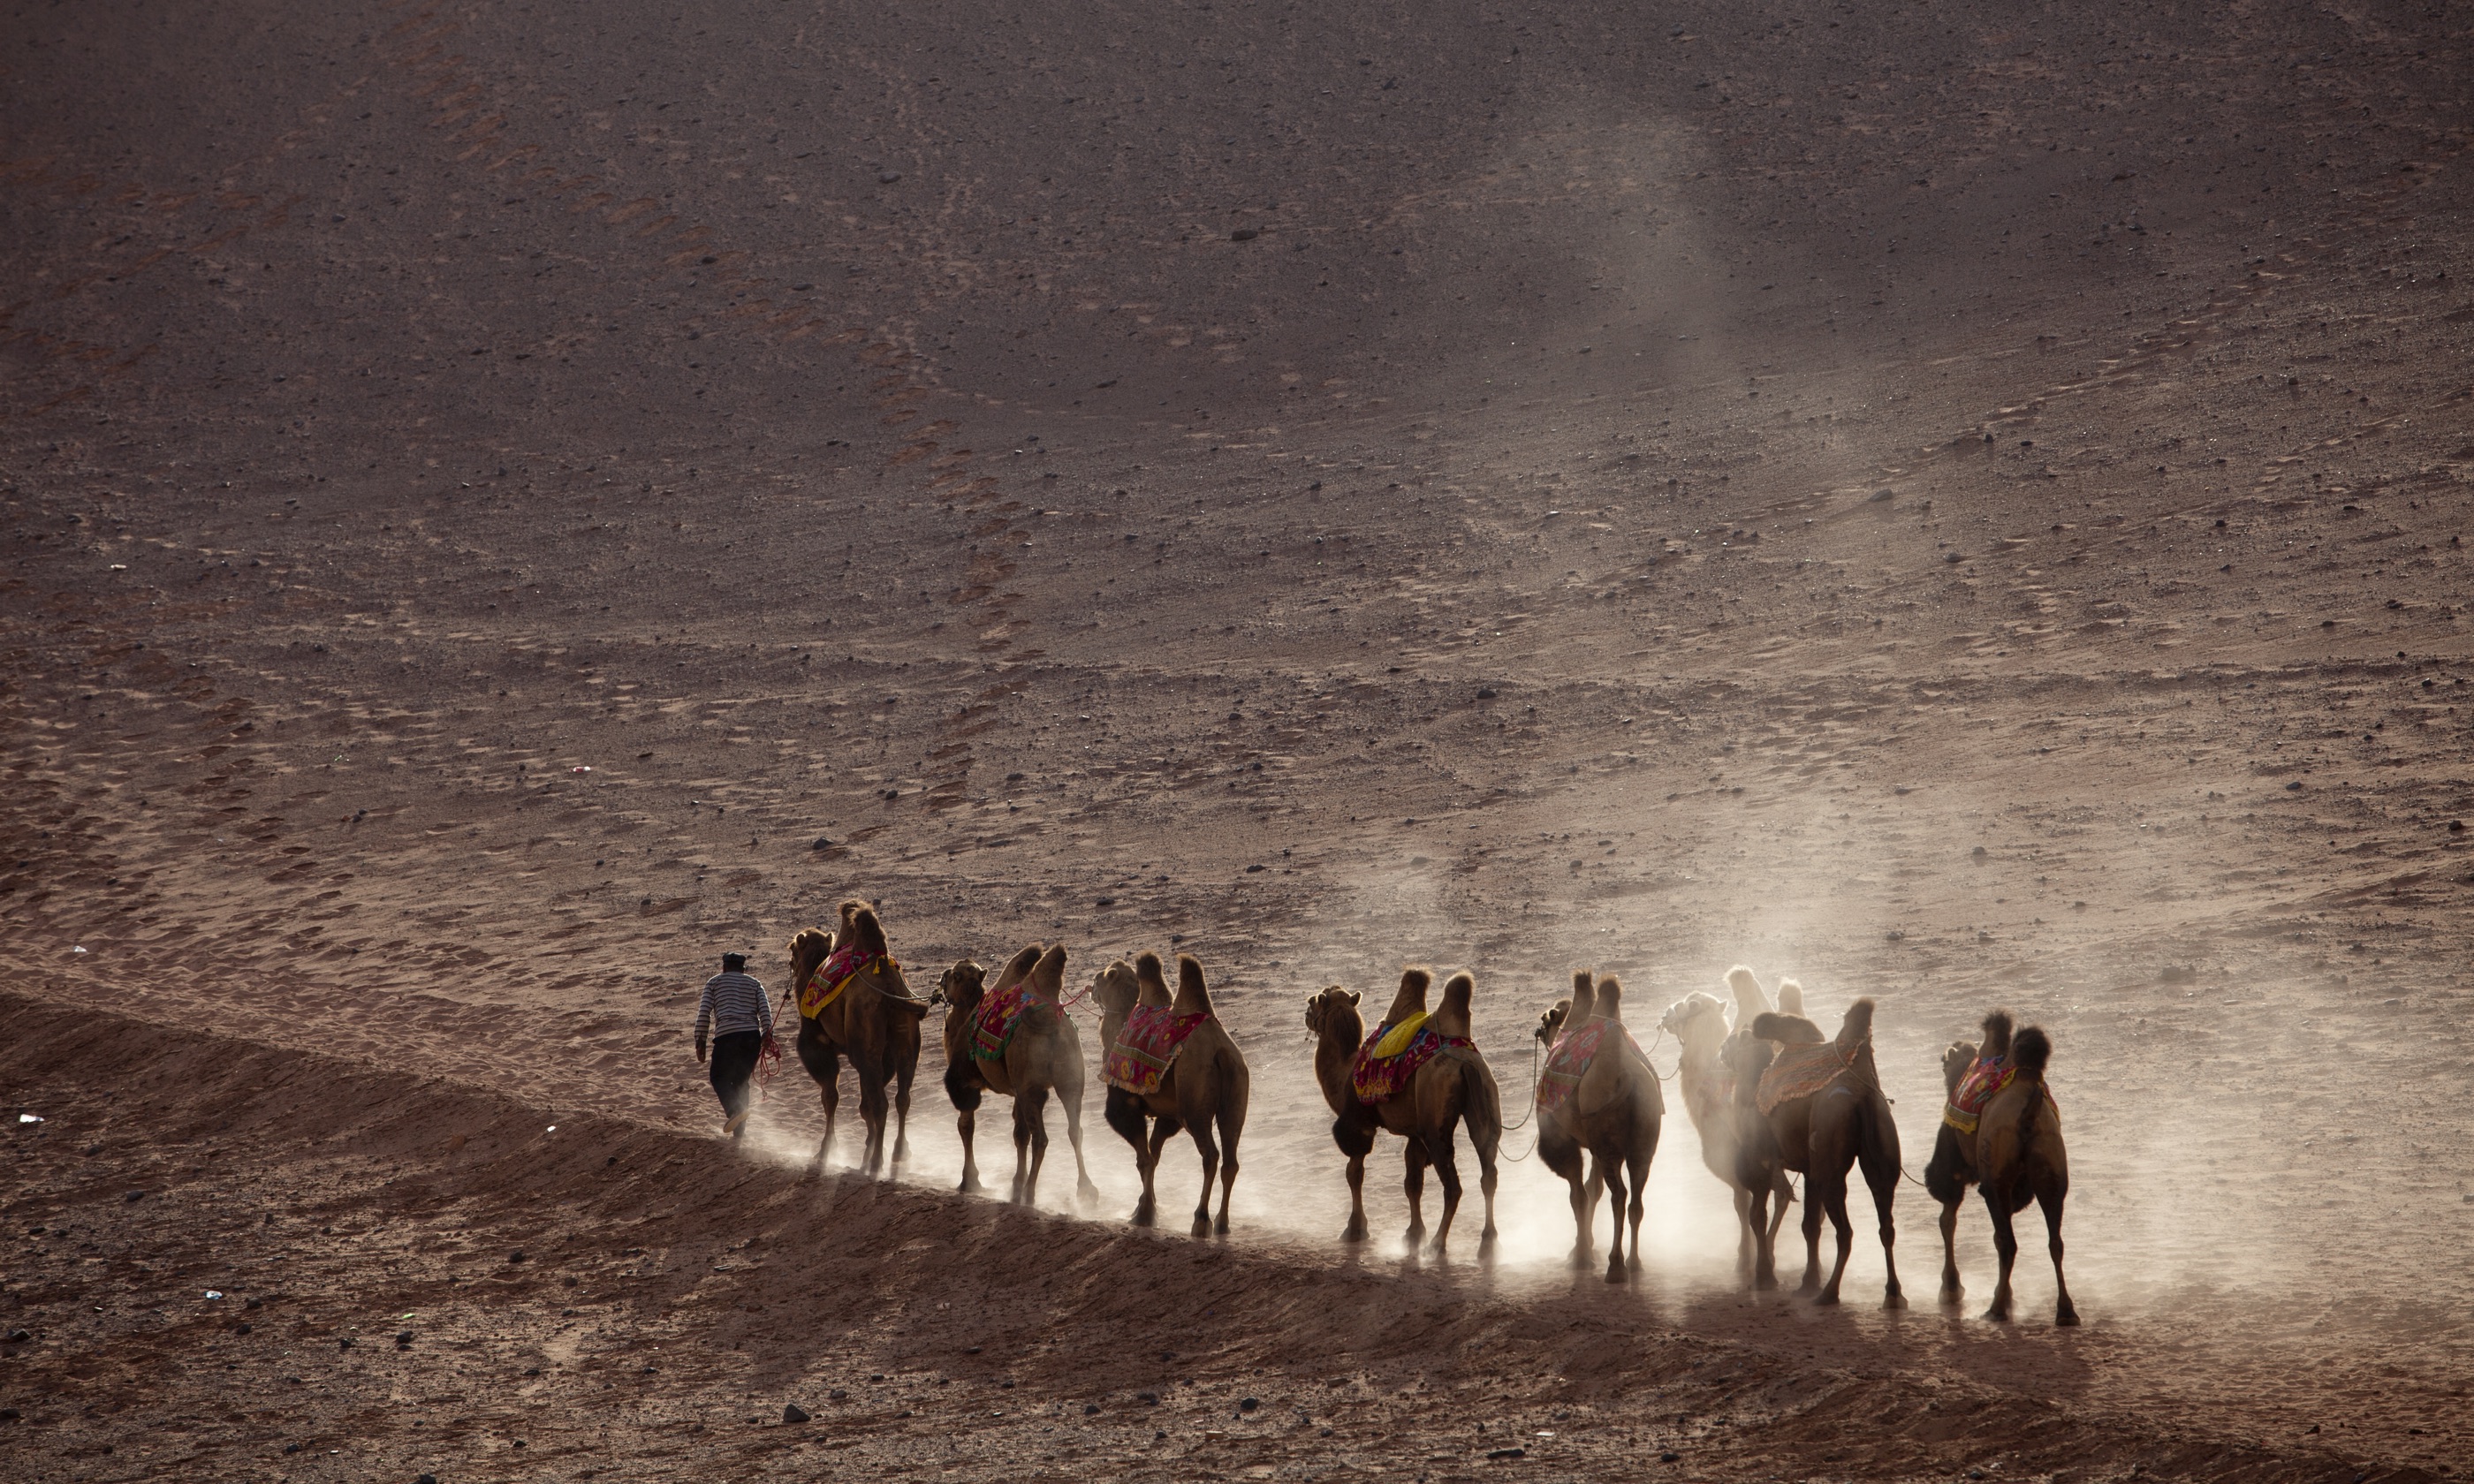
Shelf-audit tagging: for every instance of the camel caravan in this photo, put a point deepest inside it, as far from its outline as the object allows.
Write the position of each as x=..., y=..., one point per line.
x=1770, y=1094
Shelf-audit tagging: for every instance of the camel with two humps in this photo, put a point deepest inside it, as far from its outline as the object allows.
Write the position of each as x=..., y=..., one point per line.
x=1205, y=1088
x=2014, y=1155
x=874, y=1020
x=1613, y=1116
x=1043, y=1057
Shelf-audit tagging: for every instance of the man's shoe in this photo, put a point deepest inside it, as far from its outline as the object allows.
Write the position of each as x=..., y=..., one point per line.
x=738, y=1121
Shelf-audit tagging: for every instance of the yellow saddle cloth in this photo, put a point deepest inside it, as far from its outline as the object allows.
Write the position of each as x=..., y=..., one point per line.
x=1393, y=1042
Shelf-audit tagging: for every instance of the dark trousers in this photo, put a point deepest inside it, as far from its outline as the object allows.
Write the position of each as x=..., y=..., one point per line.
x=734, y=1062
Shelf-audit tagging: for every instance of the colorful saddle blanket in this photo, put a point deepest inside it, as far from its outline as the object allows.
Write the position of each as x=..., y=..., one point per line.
x=1148, y=1047
x=835, y=975
x=1982, y=1083
x=993, y=1022
x=1570, y=1061
x=1382, y=1073
x=1800, y=1072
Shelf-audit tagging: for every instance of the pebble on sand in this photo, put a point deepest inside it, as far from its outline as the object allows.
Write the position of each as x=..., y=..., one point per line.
x=792, y=1412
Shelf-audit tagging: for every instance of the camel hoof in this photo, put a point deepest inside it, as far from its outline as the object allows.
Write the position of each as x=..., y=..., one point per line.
x=1202, y=1226
x=1952, y=1294
x=1999, y=1316
x=1764, y=1282
x=1615, y=1270
x=2067, y=1316
x=1894, y=1301
x=1824, y=1297
x=971, y=1186
x=1633, y=1263
x=1143, y=1214
x=1220, y=1226
x=1085, y=1193
x=1355, y=1231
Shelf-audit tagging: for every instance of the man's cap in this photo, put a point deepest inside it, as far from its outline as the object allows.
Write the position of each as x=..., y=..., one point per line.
x=733, y=961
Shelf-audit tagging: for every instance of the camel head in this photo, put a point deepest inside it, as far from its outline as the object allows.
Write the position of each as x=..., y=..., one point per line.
x=1412, y=998
x=1114, y=987
x=1787, y=1030
x=1750, y=1001
x=1332, y=1016
x=1552, y=1021
x=1152, y=986
x=963, y=985
x=1697, y=1019
x=1193, y=996
x=1954, y=1063
x=809, y=948
x=1790, y=997
x=1997, y=1036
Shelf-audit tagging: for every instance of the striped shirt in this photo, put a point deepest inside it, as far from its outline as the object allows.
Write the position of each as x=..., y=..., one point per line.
x=733, y=1002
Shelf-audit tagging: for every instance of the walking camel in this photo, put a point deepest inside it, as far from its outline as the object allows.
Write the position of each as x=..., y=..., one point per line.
x=1698, y=1023
x=864, y=1010
x=1599, y=1096
x=1035, y=1052
x=1203, y=1086
x=2001, y=1132
x=1815, y=1107
x=1450, y=1086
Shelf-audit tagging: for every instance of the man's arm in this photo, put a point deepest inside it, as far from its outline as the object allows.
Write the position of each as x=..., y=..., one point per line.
x=704, y=1019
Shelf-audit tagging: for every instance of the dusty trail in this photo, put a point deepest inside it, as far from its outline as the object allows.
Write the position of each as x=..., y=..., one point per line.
x=1954, y=506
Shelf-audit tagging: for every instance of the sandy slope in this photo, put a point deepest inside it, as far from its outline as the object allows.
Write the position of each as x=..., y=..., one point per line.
x=1657, y=488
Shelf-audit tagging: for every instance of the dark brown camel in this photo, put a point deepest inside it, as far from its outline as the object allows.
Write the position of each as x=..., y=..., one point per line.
x=2015, y=1155
x=1821, y=1134
x=1205, y=1087
x=1043, y=1056
x=1613, y=1116
x=874, y=1020
x=1454, y=1087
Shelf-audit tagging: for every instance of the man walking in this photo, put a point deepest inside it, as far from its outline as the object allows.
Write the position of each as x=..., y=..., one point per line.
x=735, y=1009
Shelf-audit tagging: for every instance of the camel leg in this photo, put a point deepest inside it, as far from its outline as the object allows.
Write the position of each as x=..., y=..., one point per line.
x=2005, y=1245
x=1745, y=1222
x=1084, y=1192
x=1232, y=1122
x=1413, y=1184
x=1951, y=1289
x=1814, y=1205
x=1446, y=1169
x=2065, y=1312
x=902, y=1115
x=964, y=1123
x=1765, y=1234
x=1357, y=1144
x=1486, y=1182
x=1030, y=1143
x=1611, y=1172
x=1639, y=1179
x=1881, y=1177
x=871, y=1111
x=1830, y=1197
x=1123, y=1114
x=1209, y=1149
x=1784, y=1188
x=829, y=1088
x=1585, y=1237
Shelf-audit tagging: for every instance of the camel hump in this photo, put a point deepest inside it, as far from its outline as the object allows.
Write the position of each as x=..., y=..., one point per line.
x=1412, y=998
x=2031, y=1051
x=1791, y=996
x=1584, y=998
x=1856, y=1030
x=1787, y=1030
x=1048, y=975
x=867, y=931
x=1750, y=1001
x=1453, y=1019
x=1019, y=966
x=1193, y=997
x=1610, y=1003
x=1997, y=1034
x=1150, y=988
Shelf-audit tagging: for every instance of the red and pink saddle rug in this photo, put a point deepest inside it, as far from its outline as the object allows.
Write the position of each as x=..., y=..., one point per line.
x=1379, y=1079
x=1148, y=1047
x=993, y=1024
x=1570, y=1061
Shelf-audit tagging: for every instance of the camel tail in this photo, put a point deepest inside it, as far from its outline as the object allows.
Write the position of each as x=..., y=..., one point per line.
x=1997, y=1036
x=1193, y=997
x=2030, y=1050
x=1856, y=1030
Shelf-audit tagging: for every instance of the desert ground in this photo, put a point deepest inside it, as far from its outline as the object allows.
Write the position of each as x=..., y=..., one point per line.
x=1961, y=504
